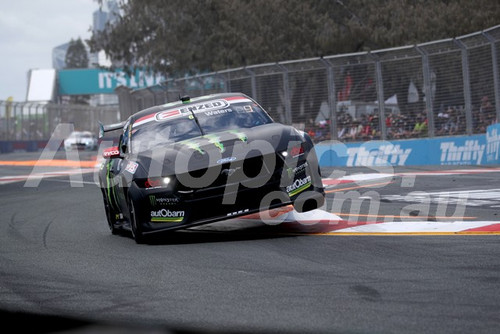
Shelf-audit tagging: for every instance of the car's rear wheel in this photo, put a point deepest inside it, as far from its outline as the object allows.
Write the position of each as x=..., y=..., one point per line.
x=135, y=227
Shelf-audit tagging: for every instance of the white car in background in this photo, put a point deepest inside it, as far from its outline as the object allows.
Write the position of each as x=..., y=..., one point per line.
x=81, y=140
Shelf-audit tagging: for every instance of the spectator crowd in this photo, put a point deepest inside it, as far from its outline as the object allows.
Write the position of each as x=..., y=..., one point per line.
x=448, y=121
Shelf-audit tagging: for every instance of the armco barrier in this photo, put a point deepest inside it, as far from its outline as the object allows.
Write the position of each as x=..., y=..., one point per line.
x=461, y=150
x=8, y=146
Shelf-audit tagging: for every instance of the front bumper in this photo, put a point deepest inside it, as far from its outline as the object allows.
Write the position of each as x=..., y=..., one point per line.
x=160, y=210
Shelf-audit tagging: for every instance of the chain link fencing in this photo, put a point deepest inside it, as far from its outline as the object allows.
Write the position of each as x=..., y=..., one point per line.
x=442, y=88
x=33, y=124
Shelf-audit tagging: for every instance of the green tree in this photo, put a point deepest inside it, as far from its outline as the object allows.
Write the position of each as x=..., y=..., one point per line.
x=176, y=37
x=76, y=57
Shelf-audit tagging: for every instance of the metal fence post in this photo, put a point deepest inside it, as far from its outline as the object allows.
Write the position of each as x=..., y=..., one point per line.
x=496, y=80
x=429, y=98
x=467, y=91
x=332, y=99
x=286, y=93
x=380, y=96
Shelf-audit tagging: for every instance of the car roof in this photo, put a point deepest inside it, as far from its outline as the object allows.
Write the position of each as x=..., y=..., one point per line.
x=180, y=103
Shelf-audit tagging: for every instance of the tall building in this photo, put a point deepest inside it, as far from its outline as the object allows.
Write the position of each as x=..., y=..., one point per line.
x=100, y=18
x=59, y=56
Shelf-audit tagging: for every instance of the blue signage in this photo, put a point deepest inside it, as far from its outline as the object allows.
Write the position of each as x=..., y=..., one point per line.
x=492, y=143
x=98, y=81
x=460, y=150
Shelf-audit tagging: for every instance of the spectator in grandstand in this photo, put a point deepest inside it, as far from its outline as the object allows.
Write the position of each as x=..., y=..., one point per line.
x=453, y=121
x=344, y=121
x=366, y=131
x=354, y=131
x=420, y=128
x=485, y=107
x=375, y=127
x=400, y=127
x=442, y=123
x=388, y=124
x=487, y=111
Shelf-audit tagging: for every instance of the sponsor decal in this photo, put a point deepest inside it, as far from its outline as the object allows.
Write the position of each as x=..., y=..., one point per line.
x=492, y=145
x=216, y=141
x=382, y=156
x=167, y=216
x=226, y=160
x=235, y=213
x=240, y=135
x=194, y=146
x=110, y=153
x=469, y=153
x=298, y=186
x=205, y=106
x=131, y=167
x=297, y=170
x=153, y=200
x=163, y=115
x=218, y=112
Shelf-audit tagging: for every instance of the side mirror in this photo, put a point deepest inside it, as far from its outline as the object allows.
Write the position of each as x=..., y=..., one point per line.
x=111, y=152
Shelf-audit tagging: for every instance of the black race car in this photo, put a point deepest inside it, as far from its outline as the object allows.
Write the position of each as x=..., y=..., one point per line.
x=200, y=160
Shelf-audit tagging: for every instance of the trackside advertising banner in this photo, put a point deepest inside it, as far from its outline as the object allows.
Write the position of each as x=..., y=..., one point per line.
x=98, y=81
x=463, y=150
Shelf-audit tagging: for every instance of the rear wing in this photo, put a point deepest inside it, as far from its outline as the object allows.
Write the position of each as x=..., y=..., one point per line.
x=111, y=127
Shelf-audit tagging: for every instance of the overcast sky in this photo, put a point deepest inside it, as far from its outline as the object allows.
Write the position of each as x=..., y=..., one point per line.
x=30, y=29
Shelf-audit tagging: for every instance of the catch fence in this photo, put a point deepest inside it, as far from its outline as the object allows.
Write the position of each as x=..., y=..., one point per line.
x=442, y=88
x=35, y=122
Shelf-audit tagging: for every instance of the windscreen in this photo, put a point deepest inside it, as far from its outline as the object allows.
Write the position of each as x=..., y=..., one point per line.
x=195, y=120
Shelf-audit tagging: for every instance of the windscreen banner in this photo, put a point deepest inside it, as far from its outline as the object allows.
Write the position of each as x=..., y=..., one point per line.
x=461, y=150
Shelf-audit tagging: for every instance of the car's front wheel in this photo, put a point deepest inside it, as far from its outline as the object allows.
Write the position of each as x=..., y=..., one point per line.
x=135, y=227
x=110, y=215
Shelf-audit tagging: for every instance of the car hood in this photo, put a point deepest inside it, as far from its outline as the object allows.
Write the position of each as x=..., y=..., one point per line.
x=215, y=149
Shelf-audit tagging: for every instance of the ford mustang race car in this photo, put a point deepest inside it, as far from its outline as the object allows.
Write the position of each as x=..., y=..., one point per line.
x=200, y=160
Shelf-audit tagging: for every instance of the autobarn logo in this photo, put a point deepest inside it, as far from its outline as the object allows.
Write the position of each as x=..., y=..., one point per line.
x=206, y=106
x=165, y=213
x=298, y=185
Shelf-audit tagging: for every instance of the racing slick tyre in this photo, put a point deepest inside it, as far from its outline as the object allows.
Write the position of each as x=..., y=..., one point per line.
x=110, y=216
x=134, y=226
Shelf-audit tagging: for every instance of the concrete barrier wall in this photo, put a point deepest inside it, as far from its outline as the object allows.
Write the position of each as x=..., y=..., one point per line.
x=480, y=149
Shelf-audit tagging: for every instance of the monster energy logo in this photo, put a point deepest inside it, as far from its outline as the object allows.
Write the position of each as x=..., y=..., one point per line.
x=241, y=136
x=153, y=200
x=216, y=141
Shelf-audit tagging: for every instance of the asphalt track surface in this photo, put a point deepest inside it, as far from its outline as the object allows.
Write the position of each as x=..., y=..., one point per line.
x=61, y=269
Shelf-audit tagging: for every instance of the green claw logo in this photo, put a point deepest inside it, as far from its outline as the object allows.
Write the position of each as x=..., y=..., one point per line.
x=216, y=141
x=241, y=136
x=195, y=146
